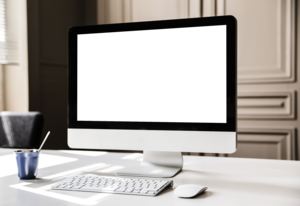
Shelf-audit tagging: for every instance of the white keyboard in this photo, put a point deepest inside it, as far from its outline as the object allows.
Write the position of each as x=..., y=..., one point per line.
x=117, y=185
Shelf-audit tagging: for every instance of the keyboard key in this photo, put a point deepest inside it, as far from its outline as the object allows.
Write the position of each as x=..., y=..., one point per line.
x=109, y=189
x=144, y=191
x=151, y=188
x=77, y=187
x=121, y=189
x=129, y=189
x=88, y=188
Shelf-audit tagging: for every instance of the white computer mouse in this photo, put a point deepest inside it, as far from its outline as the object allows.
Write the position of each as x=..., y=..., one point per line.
x=189, y=190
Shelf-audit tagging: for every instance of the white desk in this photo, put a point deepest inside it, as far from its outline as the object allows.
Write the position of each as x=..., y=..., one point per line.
x=230, y=181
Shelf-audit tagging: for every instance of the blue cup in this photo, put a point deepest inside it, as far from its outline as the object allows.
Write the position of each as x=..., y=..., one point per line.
x=27, y=161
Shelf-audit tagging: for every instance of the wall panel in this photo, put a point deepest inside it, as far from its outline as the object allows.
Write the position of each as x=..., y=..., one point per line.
x=266, y=39
x=266, y=143
x=266, y=105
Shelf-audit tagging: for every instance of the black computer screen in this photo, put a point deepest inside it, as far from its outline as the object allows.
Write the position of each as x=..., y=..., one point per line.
x=173, y=78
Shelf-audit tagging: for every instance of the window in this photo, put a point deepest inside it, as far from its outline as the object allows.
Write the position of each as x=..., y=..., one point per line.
x=8, y=38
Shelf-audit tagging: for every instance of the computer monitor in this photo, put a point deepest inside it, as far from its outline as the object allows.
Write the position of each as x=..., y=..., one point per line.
x=164, y=87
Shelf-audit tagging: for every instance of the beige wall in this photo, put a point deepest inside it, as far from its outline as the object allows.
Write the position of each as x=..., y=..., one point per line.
x=16, y=76
x=48, y=66
x=268, y=76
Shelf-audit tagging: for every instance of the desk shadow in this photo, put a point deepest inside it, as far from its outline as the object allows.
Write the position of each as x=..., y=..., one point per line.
x=200, y=196
x=166, y=190
x=198, y=172
x=109, y=174
x=247, y=184
x=36, y=180
x=39, y=182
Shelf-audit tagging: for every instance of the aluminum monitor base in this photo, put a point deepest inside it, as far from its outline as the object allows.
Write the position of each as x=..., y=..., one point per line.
x=156, y=164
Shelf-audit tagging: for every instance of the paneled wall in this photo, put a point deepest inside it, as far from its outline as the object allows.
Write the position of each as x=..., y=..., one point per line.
x=268, y=118
x=268, y=81
x=268, y=86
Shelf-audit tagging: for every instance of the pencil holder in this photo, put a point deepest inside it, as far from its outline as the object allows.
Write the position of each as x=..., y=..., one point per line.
x=27, y=161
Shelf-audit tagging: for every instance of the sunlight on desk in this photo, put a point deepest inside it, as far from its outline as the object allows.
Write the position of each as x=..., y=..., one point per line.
x=70, y=196
x=89, y=168
x=45, y=160
x=133, y=156
x=111, y=169
x=85, y=153
x=156, y=171
x=44, y=188
x=186, y=163
x=87, y=199
x=231, y=181
x=92, y=198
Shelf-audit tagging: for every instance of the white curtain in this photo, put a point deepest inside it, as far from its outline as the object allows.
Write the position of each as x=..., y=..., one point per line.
x=8, y=41
x=8, y=38
x=1, y=89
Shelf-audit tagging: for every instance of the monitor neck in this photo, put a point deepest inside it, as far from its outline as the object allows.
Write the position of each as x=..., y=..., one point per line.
x=156, y=164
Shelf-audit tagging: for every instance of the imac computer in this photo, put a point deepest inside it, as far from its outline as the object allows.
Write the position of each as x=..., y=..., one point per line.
x=164, y=87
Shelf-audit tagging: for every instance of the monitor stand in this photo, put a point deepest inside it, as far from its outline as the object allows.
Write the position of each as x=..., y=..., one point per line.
x=156, y=164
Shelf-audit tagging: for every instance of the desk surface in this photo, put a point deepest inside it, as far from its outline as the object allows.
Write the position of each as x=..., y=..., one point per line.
x=230, y=181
